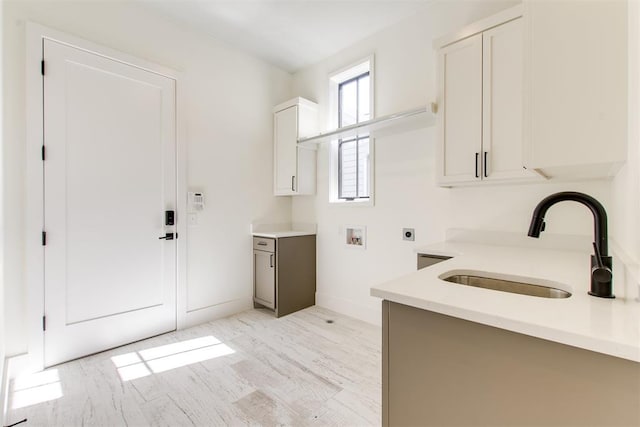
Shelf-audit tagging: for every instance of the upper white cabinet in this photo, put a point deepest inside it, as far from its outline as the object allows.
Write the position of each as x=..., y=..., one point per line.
x=540, y=87
x=294, y=166
x=480, y=116
x=575, y=87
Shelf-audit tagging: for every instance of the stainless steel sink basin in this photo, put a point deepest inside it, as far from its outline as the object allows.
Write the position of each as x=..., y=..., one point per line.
x=506, y=286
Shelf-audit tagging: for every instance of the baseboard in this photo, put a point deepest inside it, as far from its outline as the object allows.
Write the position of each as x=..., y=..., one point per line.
x=213, y=312
x=20, y=364
x=350, y=308
x=13, y=367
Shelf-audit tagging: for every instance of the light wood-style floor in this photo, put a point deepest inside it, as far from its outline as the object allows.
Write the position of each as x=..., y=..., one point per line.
x=248, y=369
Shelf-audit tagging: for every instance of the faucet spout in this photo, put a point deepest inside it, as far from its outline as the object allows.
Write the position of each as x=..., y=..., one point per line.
x=599, y=216
x=537, y=225
x=601, y=261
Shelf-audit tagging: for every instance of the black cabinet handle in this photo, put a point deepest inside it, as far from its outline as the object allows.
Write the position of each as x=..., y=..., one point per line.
x=484, y=167
x=477, y=155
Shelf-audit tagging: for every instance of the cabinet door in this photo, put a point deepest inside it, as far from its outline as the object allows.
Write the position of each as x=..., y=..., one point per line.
x=285, y=151
x=264, y=278
x=460, y=121
x=502, y=75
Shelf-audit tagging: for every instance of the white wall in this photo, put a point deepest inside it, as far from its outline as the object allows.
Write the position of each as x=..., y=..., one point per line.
x=405, y=190
x=229, y=96
x=626, y=185
x=2, y=230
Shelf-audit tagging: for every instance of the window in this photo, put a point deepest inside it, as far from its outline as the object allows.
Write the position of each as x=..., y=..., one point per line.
x=352, y=157
x=353, y=153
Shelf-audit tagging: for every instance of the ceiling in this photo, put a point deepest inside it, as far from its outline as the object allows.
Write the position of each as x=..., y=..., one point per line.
x=290, y=34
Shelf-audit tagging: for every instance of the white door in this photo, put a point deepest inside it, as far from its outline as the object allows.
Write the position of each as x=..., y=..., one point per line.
x=109, y=176
x=285, y=153
x=460, y=75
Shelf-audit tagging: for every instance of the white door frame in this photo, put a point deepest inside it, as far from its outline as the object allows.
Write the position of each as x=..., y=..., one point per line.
x=34, y=221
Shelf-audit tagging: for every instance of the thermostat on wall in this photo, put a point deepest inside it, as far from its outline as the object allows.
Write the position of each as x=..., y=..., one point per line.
x=196, y=202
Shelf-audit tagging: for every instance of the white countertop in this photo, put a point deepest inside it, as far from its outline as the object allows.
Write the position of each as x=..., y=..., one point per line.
x=609, y=326
x=279, y=234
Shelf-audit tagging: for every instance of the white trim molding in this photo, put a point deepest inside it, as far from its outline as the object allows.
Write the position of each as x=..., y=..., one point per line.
x=35, y=36
x=217, y=311
x=499, y=18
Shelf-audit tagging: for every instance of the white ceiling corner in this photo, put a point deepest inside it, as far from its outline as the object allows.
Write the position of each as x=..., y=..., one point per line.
x=291, y=34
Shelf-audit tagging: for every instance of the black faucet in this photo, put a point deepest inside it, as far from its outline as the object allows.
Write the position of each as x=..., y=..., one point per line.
x=601, y=262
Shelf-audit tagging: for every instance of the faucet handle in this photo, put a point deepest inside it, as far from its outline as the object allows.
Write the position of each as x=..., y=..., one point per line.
x=601, y=272
x=596, y=250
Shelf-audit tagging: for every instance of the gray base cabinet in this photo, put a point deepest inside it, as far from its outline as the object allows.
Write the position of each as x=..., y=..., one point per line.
x=284, y=273
x=443, y=371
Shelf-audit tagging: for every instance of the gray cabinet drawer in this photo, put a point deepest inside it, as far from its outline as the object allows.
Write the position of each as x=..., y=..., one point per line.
x=264, y=244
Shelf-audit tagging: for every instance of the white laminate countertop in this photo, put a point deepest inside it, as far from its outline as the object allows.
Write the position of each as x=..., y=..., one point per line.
x=279, y=234
x=609, y=326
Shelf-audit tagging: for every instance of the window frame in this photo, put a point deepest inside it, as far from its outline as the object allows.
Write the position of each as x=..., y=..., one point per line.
x=342, y=76
x=355, y=139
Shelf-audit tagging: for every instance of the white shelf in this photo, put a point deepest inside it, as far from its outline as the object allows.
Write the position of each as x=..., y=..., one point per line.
x=385, y=125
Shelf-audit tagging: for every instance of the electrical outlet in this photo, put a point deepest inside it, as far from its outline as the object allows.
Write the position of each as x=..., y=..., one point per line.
x=408, y=234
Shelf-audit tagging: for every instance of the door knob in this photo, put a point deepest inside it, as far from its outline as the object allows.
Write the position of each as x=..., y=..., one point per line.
x=168, y=236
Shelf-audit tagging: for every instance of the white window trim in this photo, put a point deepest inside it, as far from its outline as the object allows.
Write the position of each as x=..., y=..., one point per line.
x=335, y=78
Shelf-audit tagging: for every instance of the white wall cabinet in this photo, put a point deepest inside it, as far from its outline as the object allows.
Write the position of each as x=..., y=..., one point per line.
x=480, y=95
x=294, y=166
x=540, y=87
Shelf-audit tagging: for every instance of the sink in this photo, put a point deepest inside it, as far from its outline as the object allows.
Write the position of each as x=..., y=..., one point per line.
x=513, y=286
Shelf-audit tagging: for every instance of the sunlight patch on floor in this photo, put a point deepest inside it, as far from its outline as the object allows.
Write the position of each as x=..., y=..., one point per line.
x=36, y=388
x=142, y=363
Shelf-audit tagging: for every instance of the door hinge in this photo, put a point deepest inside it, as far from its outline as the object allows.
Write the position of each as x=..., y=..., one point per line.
x=44, y=238
x=42, y=67
x=44, y=323
x=43, y=155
